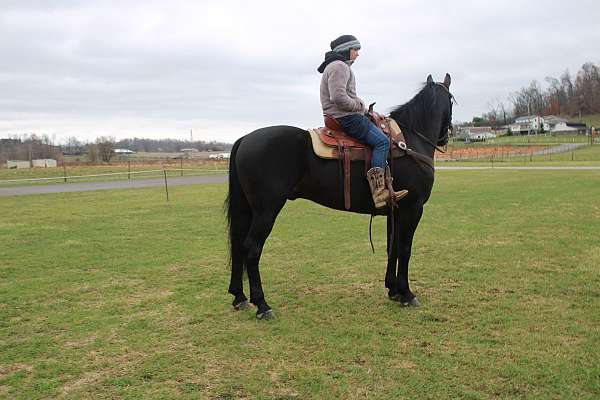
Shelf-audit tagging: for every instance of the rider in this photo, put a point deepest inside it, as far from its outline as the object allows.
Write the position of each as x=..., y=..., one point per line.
x=339, y=100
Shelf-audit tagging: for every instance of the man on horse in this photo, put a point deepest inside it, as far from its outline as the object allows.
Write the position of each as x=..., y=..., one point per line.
x=339, y=100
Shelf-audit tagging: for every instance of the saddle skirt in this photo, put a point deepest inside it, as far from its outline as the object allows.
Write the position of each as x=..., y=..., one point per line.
x=331, y=143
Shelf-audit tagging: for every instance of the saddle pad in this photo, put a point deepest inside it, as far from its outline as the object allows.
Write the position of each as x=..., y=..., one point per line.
x=320, y=148
x=328, y=151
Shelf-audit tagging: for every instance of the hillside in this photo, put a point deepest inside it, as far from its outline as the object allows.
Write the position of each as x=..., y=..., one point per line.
x=590, y=120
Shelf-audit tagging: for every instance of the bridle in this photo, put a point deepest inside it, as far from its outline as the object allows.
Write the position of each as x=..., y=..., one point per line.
x=447, y=128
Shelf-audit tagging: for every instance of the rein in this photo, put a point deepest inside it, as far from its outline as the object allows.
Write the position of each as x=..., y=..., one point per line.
x=428, y=141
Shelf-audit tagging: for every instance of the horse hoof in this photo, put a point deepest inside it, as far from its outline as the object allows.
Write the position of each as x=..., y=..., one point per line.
x=394, y=297
x=268, y=315
x=412, y=303
x=244, y=305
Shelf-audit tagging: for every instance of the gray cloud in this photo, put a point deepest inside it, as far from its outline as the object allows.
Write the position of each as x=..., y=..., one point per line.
x=151, y=69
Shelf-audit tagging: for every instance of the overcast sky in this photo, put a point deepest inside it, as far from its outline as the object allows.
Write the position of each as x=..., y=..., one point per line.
x=159, y=69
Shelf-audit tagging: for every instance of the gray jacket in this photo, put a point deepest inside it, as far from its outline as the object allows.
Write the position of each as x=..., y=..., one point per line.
x=338, y=91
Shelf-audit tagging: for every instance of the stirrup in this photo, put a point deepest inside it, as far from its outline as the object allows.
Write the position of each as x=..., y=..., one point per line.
x=399, y=195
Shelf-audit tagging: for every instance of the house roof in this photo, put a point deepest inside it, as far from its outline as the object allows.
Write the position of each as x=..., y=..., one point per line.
x=478, y=129
x=526, y=118
x=553, y=119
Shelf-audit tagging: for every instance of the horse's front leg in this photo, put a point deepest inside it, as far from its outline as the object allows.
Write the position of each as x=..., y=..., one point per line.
x=391, y=281
x=406, y=225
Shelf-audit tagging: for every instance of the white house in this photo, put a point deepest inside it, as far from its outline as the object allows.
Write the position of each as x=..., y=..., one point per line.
x=550, y=123
x=476, y=133
x=529, y=125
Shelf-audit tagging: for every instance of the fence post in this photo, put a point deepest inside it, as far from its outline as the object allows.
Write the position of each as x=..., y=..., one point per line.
x=166, y=185
x=181, y=165
x=129, y=170
x=65, y=172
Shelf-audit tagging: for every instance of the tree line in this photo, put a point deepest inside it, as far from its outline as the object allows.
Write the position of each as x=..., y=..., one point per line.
x=27, y=148
x=566, y=95
x=32, y=146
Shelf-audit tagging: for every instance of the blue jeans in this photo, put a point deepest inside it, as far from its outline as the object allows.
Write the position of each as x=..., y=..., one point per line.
x=361, y=128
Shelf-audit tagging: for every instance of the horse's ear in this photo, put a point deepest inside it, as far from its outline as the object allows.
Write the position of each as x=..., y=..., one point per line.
x=447, y=81
x=429, y=79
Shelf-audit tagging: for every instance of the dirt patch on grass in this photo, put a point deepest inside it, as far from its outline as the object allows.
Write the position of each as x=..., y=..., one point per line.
x=6, y=370
x=487, y=152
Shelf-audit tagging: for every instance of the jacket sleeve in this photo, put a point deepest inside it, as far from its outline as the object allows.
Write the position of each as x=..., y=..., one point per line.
x=337, y=82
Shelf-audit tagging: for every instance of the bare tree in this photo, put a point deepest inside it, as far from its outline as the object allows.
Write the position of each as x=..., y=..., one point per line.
x=587, y=86
x=529, y=100
x=105, y=146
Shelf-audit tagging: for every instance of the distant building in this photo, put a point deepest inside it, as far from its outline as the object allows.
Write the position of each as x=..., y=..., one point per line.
x=553, y=121
x=529, y=125
x=44, y=163
x=123, y=151
x=16, y=164
x=475, y=133
x=532, y=125
x=570, y=127
x=220, y=156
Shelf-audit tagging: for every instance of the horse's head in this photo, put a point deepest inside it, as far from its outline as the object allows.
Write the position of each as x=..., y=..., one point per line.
x=442, y=104
x=429, y=113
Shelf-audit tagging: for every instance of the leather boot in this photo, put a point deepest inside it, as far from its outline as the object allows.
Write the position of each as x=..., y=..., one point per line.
x=388, y=182
x=376, y=179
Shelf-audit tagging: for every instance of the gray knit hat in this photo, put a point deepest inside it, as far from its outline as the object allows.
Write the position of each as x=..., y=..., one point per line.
x=345, y=43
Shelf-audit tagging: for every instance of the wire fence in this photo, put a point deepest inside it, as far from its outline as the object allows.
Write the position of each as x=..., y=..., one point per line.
x=119, y=175
x=493, y=152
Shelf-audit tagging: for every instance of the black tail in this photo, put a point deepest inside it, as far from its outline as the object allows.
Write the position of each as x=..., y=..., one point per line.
x=239, y=214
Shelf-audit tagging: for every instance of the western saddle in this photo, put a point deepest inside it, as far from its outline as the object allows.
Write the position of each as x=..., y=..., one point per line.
x=332, y=143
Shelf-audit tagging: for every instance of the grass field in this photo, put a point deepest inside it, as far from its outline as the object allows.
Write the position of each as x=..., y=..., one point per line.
x=537, y=139
x=591, y=120
x=118, y=294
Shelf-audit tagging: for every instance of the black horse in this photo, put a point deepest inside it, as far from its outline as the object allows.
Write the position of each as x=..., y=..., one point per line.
x=272, y=165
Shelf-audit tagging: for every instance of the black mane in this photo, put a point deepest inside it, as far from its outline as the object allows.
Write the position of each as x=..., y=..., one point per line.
x=413, y=113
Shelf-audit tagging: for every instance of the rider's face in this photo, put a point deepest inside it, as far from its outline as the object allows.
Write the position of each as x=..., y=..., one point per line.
x=353, y=54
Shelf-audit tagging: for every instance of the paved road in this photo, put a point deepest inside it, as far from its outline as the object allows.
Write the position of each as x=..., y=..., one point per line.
x=196, y=180
x=82, y=187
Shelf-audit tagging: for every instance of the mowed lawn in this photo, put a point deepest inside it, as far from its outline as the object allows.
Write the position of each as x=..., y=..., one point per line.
x=119, y=294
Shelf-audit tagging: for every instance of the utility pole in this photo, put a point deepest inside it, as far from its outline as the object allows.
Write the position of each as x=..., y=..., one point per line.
x=191, y=136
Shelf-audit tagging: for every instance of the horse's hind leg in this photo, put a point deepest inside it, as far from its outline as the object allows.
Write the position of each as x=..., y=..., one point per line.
x=262, y=223
x=236, y=285
x=240, y=232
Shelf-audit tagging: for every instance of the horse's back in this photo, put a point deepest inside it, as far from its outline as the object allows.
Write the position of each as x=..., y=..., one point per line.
x=270, y=161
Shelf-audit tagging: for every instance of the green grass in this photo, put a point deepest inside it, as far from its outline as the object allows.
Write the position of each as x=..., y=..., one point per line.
x=538, y=139
x=591, y=120
x=118, y=294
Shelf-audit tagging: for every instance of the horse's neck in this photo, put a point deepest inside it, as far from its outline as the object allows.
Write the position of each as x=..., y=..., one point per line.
x=425, y=124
